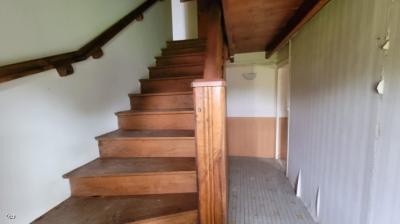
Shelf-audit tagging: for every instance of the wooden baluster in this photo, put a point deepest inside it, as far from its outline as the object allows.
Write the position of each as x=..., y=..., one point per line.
x=211, y=150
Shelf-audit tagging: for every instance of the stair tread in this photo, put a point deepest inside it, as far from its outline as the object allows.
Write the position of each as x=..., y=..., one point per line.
x=195, y=49
x=163, y=111
x=175, y=66
x=124, y=134
x=131, y=166
x=172, y=78
x=162, y=94
x=182, y=55
x=118, y=210
x=187, y=40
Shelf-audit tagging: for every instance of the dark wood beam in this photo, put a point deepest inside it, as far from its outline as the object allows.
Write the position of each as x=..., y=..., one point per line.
x=228, y=28
x=305, y=12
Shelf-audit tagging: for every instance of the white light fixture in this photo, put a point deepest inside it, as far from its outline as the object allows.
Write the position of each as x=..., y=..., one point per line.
x=251, y=75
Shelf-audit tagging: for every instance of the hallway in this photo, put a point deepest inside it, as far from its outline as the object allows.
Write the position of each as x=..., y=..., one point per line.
x=259, y=193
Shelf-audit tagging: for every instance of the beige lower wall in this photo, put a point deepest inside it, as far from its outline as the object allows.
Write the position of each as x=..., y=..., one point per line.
x=251, y=136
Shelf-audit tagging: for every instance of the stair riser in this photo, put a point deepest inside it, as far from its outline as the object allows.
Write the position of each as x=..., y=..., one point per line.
x=168, y=85
x=184, y=101
x=182, y=51
x=186, y=43
x=167, y=183
x=184, y=147
x=172, y=45
x=179, y=60
x=178, y=121
x=176, y=72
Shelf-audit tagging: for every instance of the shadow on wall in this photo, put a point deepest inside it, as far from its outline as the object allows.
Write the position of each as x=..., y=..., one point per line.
x=48, y=123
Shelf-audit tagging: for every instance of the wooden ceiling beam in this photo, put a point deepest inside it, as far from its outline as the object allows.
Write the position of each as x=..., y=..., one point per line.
x=305, y=12
x=228, y=28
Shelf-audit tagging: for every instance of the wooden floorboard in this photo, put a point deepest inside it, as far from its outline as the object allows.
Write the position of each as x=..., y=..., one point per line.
x=120, y=134
x=117, y=210
x=131, y=166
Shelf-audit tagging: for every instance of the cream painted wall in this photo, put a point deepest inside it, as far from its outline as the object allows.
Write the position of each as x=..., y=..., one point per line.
x=251, y=108
x=251, y=98
x=282, y=83
x=48, y=123
x=184, y=17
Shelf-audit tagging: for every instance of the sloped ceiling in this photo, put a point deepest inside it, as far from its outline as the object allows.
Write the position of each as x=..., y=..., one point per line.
x=263, y=25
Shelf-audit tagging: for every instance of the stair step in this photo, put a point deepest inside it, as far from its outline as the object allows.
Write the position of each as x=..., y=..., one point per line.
x=161, y=101
x=178, y=43
x=147, y=143
x=181, y=45
x=177, y=51
x=176, y=71
x=190, y=217
x=134, y=176
x=119, y=210
x=156, y=120
x=180, y=84
x=191, y=58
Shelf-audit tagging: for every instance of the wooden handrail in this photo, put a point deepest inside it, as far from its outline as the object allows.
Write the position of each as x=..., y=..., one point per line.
x=63, y=62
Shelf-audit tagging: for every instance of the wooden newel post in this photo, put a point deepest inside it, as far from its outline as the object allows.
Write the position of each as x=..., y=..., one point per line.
x=210, y=106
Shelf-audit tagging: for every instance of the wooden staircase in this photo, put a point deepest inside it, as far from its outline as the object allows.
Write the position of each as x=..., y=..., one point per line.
x=146, y=172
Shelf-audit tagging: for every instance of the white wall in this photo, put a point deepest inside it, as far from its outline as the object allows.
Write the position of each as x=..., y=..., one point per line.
x=343, y=135
x=184, y=19
x=48, y=123
x=251, y=98
x=283, y=91
x=385, y=199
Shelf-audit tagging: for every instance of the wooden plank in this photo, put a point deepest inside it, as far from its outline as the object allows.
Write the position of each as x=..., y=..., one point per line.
x=131, y=166
x=251, y=136
x=118, y=210
x=251, y=25
x=213, y=68
x=157, y=120
x=134, y=176
x=176, y=70
x=148, y=147
x=181, y=84
x=135, y=184
x=166, y=101
x=211, y=151
x=129, y=144
x=197, y=58
x=307, y=10
x=189, y=217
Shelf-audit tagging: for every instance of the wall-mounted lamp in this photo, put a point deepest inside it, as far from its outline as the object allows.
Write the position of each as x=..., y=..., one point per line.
x=251, y=75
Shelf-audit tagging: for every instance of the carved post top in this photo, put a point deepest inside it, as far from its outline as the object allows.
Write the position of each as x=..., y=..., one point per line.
x=208, y=83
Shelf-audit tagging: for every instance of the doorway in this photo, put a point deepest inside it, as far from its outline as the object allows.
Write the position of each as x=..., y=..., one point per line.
x=282, y=112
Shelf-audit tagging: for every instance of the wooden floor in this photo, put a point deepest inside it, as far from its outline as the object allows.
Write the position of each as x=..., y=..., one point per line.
x=259, y=193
